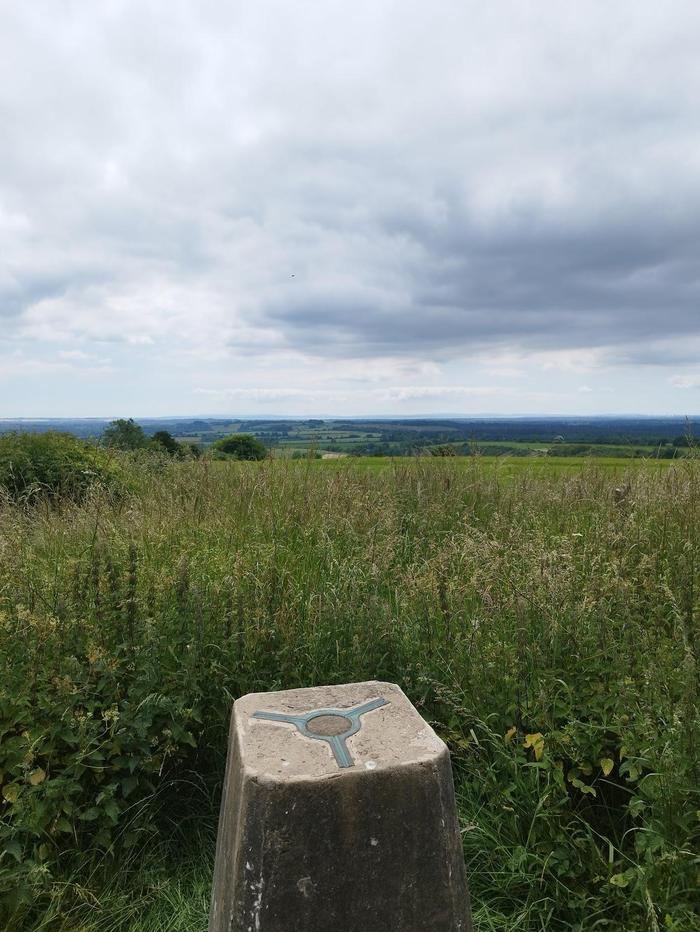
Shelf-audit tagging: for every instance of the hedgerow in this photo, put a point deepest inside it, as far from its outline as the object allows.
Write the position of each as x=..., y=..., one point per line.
x=53, y=465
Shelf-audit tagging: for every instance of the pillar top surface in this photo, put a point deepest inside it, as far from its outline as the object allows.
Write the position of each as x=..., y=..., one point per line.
x=329, y=732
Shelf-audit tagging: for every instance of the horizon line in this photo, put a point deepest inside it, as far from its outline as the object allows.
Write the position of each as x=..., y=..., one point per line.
x=346, y=417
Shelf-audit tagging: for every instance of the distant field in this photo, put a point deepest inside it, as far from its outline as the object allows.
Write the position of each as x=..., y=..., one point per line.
x=612, y=436
x=505, y=465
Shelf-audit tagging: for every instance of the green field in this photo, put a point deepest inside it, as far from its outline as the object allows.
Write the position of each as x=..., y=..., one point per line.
x=542, y=613
x=503, y=466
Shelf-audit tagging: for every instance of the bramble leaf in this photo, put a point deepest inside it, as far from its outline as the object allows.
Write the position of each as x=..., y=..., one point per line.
x=536, y=742
x=619, y=880
x=606, y=765
x=584, y=787
x=15, y=849
x=11, y=792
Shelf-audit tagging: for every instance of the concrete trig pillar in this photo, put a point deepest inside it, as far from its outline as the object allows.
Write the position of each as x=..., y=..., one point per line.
x=338, y=815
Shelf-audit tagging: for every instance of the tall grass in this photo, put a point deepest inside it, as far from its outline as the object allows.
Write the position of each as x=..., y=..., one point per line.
x=544, y=621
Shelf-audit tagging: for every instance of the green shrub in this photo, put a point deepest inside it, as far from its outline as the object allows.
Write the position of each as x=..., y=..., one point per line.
x=241, y=447
x=444, y=449
x=54, y=465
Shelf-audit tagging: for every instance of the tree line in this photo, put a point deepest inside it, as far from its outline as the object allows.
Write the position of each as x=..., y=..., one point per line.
x=59, y=465
x=126, y=434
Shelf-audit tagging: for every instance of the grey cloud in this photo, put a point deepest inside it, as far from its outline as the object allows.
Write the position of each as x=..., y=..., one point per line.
x=538, y=286
x=381, y=179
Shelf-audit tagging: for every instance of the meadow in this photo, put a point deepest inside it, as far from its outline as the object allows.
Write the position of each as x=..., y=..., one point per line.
x=543, y=615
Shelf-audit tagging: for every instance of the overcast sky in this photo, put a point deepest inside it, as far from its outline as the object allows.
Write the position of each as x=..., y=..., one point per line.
x=322, y=207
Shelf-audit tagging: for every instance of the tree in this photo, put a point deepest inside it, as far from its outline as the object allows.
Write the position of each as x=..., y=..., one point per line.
x=165, y=440
x=124, y=434
x=241, y=447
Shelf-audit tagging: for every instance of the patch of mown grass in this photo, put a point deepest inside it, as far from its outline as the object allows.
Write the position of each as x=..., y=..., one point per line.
x=543, y=619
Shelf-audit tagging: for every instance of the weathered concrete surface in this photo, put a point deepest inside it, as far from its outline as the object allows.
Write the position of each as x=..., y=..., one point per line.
x=308, y=845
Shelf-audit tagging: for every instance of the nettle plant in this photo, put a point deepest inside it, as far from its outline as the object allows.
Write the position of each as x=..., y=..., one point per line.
x=94, y=726
x=588, y=802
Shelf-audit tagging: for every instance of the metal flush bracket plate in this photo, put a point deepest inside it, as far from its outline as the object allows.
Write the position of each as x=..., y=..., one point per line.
x=337, y=727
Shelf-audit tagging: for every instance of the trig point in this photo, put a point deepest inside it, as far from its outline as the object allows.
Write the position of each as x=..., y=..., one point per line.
x=338, y=815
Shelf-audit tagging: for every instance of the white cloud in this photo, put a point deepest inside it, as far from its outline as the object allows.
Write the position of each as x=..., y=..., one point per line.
x=393, y=393
x=262, y=394
x=686, y=381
